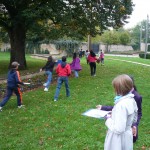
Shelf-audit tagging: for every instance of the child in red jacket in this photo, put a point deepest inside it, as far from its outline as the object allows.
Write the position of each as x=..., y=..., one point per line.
x=63, y=71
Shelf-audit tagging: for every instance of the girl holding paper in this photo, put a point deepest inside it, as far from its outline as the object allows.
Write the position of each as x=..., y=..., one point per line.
x=124, y=114
x=138, y=100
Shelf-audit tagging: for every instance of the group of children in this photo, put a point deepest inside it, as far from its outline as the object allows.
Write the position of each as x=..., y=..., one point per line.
x=63, y=71
x=122, y=122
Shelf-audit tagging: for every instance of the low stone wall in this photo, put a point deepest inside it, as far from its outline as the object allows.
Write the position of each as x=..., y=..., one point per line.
x=59, y=53
x=119, y=48
x=111, y=48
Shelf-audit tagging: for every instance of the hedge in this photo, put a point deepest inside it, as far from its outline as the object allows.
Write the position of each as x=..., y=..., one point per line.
x=142, y=55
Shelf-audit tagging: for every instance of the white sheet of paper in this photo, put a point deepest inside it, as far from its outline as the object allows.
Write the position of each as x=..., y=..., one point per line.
x=26, y=83
x=95, y=113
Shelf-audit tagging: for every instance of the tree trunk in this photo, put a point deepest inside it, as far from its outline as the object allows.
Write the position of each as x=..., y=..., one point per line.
x=107, y=48
x=17, y=35
x=89, y=42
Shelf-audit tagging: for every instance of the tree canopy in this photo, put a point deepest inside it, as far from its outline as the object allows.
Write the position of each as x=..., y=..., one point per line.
x=52, y=19
x=115, y=37
x=138, y=34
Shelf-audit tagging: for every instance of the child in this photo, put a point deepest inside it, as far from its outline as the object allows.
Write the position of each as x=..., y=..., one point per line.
x=138, y=100
x=75, y=65
x=92, y=61
x=124, y=114
x=63, y=70
x=101, y=58
x=48, y=71
x=13, y=81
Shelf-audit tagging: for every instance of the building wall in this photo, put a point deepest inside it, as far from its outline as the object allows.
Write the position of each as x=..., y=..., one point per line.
x=112, y=48
x=50, y=47
x=53, y=51
x=143, y=47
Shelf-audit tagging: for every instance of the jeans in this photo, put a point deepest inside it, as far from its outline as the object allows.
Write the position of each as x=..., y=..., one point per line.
x=9, y=93
x=93, y=68
x=102, y=60
x=49, y=78
x=76, y=73
x=60, y=81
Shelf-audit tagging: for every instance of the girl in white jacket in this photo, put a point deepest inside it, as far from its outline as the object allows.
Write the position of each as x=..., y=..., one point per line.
x=124, y=113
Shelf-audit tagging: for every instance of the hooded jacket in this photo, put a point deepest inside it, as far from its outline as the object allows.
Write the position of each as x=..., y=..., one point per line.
x=63, y=69
x=13, y=78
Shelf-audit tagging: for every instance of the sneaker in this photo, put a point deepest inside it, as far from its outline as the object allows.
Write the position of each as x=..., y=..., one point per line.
x=44, y=84
x=55, y=100
x=46, y=89
x=0, y=108
x=21, y=106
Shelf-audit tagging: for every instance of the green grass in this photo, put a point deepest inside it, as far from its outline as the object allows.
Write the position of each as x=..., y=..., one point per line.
x=47, y=125
x=132, y=59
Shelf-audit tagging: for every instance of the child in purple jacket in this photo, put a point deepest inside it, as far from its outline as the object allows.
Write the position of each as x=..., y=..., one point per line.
x=138, y=99
x=75, y=65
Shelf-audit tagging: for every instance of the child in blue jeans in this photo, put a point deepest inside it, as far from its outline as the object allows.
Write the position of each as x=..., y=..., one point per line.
x=49, y=66
x=63, y=71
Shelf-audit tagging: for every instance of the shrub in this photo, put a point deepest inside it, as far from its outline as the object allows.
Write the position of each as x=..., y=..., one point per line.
x=142, y=55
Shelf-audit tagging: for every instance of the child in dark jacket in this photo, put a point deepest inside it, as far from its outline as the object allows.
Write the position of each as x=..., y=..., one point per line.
x=63, y=71
x=49, y=66
x=13, y=81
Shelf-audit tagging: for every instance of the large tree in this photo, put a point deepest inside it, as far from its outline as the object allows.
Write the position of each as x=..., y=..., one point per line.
x=58, y=18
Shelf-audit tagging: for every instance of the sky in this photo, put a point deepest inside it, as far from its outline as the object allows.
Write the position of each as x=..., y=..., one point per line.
x=140, y=12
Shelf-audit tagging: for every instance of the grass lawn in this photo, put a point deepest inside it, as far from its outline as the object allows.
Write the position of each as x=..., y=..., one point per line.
x=47, y=125
x=132, y=59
